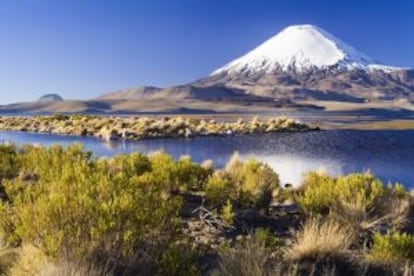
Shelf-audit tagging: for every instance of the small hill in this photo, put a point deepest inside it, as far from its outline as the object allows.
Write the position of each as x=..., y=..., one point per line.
x=50, y=98
x=131, y=94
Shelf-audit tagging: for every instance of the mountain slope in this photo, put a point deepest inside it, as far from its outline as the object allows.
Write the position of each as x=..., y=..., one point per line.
x=301, y=48
x=307, y=63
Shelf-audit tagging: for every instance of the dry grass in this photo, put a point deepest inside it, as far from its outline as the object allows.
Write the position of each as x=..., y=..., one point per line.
x=7, y=258
x=30, y=262
x=233, y=163
x=71, y=269
x=392, y=211
x=321, y=238
x=248, y=258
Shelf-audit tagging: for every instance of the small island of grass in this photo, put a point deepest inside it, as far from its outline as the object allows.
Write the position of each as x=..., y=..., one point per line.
x=136, y=128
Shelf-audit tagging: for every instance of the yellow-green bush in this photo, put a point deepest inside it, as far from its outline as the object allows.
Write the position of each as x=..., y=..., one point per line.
x=9, y=163
x=256, y=182
x=249, y=184
x=192, y=176
x=227, y=212
x=355, y=194
x=317, y=194
x=392, y=248
x=82, y=207
x=219, y=189
x=176, y=175
x=267, y=238
x=180, y=259
x=134, y=164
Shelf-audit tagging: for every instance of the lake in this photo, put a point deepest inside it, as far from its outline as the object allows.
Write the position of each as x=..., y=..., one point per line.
x=389, y=154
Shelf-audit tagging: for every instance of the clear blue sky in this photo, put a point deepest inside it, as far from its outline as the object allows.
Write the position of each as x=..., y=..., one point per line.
x=83, y=48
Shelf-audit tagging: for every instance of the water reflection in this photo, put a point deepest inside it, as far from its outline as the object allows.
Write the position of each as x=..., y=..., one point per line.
x=291, y=169
x=388, y=154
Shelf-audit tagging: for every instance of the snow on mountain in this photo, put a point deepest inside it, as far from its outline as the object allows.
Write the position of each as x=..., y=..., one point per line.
x=301, y=48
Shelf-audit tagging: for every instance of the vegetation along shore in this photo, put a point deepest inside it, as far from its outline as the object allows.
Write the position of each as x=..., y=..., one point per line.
x=135, y=128
x=64, y=211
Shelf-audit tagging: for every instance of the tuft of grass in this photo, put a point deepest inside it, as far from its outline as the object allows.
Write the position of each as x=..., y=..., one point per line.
x=67, y=268
x=319, y=239
x=247, y=258
x=7, y=257
x=30, y=262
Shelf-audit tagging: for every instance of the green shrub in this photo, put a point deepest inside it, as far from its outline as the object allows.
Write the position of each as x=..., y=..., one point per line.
x=256, y=182
x=180, y=259
x=192, y=176
x=82, y=207
x=134, y=164
x=219, y=189
x=9, y=163
x=227, y=213
x=392, y=248
x=360, y=199
x=318, y=193
x=267, y=238
x=178, y=175
x=248, y=184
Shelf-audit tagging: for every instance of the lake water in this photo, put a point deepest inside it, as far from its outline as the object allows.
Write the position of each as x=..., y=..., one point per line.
x=388, y=154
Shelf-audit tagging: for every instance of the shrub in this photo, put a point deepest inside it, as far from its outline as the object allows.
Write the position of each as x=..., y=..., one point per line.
x=319, y=239
x=392, y=248
x=78, y=206
x=318, y=193
x=180, y=259
x=227, y=213
x=254, y=181
x=257, y=182
x=270, y=240
x=192, y=176
x=359, y=199
x=183, y=174
x=219, y=189
x=9, y=163
x=249, y=184
x=134, y=164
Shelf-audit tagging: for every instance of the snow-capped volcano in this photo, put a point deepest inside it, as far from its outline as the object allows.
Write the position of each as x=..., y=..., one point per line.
x=300, y=65
x=300, y=48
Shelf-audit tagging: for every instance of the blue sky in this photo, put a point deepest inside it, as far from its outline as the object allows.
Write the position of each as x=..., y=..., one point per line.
x=84, y=48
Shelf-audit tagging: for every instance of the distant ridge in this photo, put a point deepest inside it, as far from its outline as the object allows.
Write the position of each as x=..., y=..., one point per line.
x=50, y=98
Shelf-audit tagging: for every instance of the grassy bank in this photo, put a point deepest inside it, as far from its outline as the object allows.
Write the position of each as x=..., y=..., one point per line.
x=135, y=128
x=66, y=212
